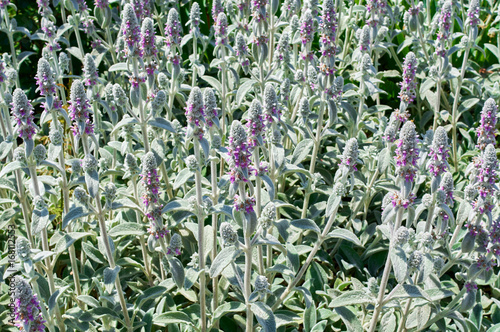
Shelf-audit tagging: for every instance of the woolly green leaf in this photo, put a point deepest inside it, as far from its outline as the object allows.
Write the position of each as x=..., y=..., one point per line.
x=264, y=316
x=227, y=308
x=172, y=317
x=301, y=151
x=342, y=233
x=351, y=298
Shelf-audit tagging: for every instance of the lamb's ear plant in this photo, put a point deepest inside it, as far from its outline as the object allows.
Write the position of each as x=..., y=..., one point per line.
x=250, y=165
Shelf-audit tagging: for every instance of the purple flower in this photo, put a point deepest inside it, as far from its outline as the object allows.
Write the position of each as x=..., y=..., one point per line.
x=142, y=8
x=445, y=20
x=398, y=200
x=130, y=29
x=377, y=9
x=211, y=111
x=217, y=8
x=242, y=50
x=173, y=29
x=255, y=124
x=409, y=84
x=487, y=130
x=147, y=42
x=151, y=197
x=495, y=232
x=90, y=72
x=282, y=52
x=447, y=187
x=484, y=263
x=239, y=153
x=271, y=106
x=307, y=27
x=82, y=5
x=473, y=13
x=195, y=112
x=44, y=8
x=483, y=187
x=175, y=245
x=244, y=205
x=439, y=152
x=350, y=156
x=221, y=29
x=27, y=308
x=471, y=287
x=45, y=79
x=364, y=38
x=79, y=110
x=328, y=26
x=22, y=111
x=407, y=152
x=101, y=4
x=194, y=15
x=259, y=10
x=4, y=3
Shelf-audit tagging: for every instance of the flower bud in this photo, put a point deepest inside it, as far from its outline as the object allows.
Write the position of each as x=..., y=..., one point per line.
x=119, y=95
x=228, y=234
x=402, y=236
x=19, y=155
x=261, y=284
x=90, y=73
x=81, y=196
x=23, y=249
x=175, y=245
x=109, y=193
x=373, y=286
x=40, y=153
x=192, y=163
x=415, y=260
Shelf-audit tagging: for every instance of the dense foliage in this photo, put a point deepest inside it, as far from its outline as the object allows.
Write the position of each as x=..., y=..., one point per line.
x=250, y=165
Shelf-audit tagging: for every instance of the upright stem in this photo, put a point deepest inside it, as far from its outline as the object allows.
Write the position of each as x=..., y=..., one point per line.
x=195, y=56
x=317, y=142
x=46, y=247
x=215, y=199
x=111, y=261
x=4, y=113
x=223, y=97
x=141, y=238
x=201, y=228
x=248, y=267
x=438, y=104
x=309, y=259
x=454, y=115
x=65, y=191
x=385, y=278
x=11, y=43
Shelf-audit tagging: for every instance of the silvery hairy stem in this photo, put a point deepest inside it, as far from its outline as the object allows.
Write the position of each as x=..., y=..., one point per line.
x=195, y=57
x=308, y=261
x=201, y=228
x=248, y=267
x=223, y=97
x=144, y=251
x=65, y=191
x=142, y=115
x=438, y=103
x=317, y=141
x=454, y=115
x=215, y=199
x=109, y=252
x=19, y=178
x=385, y=277
x=46, y=247
x=10, y=36
x=258, y=203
